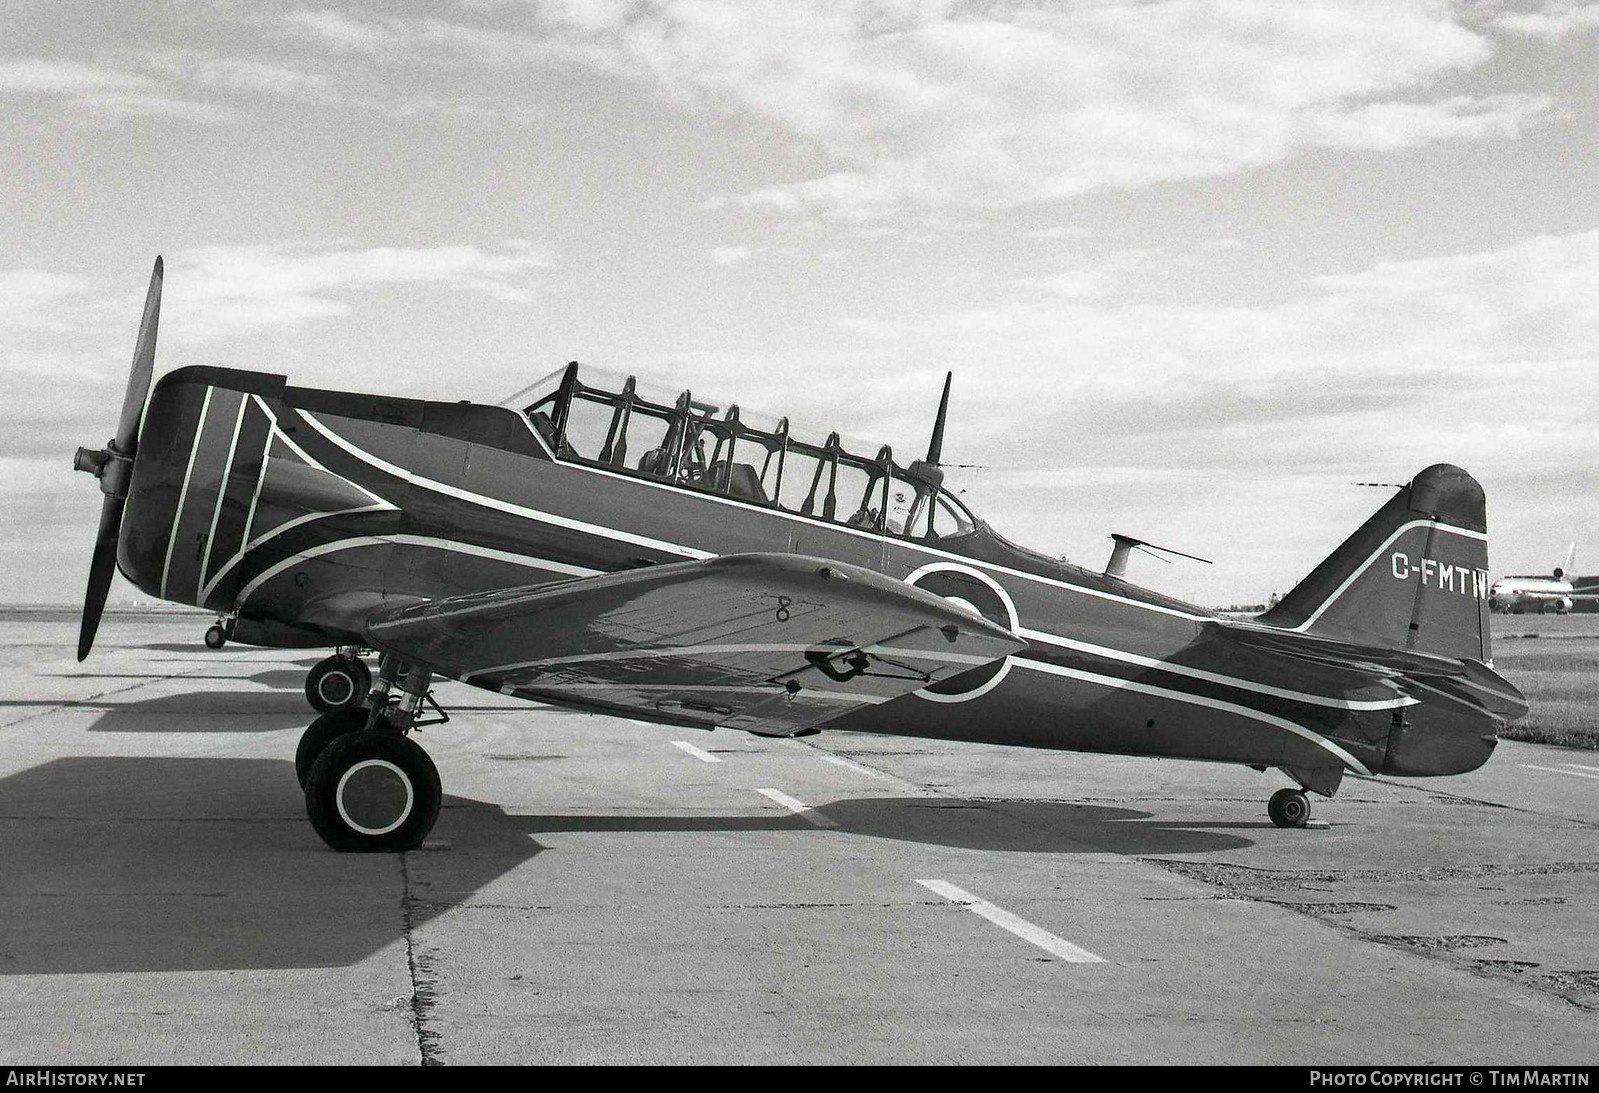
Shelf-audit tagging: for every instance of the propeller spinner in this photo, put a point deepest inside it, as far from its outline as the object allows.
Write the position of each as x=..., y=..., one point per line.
x=113, y=466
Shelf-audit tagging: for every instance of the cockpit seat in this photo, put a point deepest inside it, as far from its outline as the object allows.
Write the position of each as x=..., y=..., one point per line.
x=546, y=430
x=653, y=461
x=737, y=480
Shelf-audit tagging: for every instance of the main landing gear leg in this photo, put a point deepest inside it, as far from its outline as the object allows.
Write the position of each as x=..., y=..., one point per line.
x=340, y=682
x=371, y=787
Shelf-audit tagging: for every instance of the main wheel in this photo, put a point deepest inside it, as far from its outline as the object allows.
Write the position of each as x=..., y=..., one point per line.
x=322, y=732
x=373, y=791
x=338, y=683
x=215, y=637
x=1288, y=808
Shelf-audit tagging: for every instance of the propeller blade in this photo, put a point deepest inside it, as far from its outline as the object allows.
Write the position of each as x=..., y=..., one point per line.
x=113, y=466
x=143, y=365
x=101, y=568
x=935, y=447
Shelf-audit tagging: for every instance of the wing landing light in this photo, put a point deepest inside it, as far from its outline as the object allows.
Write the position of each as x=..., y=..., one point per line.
x=113, y=466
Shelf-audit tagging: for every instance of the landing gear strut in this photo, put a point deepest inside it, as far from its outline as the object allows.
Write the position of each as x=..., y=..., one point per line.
x=368, y=786
x=340, y=682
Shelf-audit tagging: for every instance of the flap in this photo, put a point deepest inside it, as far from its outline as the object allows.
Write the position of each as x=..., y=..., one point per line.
x=771, y=643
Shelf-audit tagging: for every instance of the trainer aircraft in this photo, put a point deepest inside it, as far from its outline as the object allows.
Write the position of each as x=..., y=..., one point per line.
x=673, y=558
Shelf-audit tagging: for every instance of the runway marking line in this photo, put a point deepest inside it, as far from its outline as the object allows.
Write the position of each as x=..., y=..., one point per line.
x=1055, y=946
x=840, y=761
x=1557, y=770
x=799, y=808
x=702, y=756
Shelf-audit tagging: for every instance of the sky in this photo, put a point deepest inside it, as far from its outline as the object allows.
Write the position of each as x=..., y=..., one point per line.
x=1200, y=269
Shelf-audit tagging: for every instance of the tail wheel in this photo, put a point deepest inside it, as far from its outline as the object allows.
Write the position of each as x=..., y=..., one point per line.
x=216, y=637
x=1288, y=808
x=338, y=683
x=372, y=792
x=322, y=732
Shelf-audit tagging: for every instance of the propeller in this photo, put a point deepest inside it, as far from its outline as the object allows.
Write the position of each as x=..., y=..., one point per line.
x=928, y=470
x=113, y=466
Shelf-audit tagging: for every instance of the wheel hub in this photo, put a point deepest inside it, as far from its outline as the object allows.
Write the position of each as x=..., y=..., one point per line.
x=336, y=688
x=375, y=797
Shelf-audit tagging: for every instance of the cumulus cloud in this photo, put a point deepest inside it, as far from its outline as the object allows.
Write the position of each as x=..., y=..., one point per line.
x=232, y=288
x=939, y=106
x=1418, y=352
x=1553, y=20
x=35, y=299
x=51, y=77
x=105, y=91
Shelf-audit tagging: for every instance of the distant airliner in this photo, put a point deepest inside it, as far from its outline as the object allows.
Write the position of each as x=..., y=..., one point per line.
x=1518, y=595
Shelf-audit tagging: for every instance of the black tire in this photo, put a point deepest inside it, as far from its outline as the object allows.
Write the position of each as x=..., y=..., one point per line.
x=1288, y=808
x=215, y=637
x=373, y=791
x=322, y=732
x=338, y=683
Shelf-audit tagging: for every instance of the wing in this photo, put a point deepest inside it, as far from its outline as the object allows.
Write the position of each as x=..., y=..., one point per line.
x=771, y=643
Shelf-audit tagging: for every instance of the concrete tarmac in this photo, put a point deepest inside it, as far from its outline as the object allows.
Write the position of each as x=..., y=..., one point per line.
x=601, y=891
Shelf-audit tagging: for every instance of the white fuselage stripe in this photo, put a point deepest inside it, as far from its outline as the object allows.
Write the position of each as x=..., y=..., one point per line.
x=248, y=544
x=690, y=552
x=183, y=494
x=1367, y=564
x=503, y=506
x=413, y=540
x=200, y=587
x=1200, y=700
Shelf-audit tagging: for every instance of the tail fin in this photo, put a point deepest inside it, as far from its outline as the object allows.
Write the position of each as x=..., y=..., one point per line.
x=1414, y=576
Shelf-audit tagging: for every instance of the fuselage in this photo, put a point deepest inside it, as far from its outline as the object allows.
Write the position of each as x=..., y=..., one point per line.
x=303, y=510
x=1517, y=595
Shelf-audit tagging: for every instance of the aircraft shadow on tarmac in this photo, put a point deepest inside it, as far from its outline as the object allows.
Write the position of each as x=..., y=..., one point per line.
x=125, y=864
x=186, y=864
x=1039, y=827
x=230, y=711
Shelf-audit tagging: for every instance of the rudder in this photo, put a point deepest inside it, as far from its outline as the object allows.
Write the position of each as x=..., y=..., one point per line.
x=1414, y=576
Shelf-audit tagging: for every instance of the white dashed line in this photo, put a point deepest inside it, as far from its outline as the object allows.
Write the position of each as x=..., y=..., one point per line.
x=1019, y=926
x=702, y=756
x=840, y=761
x=1557, y=770
x=799, y=808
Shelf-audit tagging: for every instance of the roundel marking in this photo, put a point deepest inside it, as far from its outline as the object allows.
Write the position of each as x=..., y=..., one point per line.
x=972, y=589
